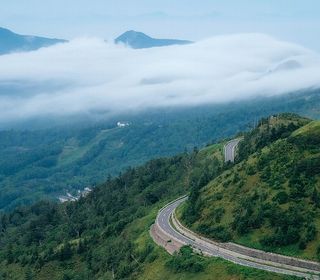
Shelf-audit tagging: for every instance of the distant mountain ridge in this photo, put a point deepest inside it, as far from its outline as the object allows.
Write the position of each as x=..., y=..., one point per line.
x=139, y=40
x=13, y=42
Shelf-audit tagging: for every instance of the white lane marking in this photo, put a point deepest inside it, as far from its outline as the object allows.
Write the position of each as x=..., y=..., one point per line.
x=214, y=252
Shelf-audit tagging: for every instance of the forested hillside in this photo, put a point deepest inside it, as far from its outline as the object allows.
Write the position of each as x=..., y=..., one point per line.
x=47, y=163
x=105, y=235
x=270, y=199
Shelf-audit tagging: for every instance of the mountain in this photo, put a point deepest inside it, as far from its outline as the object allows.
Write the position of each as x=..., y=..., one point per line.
x=105, y=234
x=139, y=40
x=51, y=162
x=12, y=42
x=270, y=199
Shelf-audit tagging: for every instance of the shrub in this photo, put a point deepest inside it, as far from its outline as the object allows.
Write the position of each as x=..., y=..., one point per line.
x=218, y=214
x=186, y=260
x=302, y=245
x=282, y=197
x=220, y=233
x=281, y=237
x=217, y=196
x=250, y=170
x=311, y=233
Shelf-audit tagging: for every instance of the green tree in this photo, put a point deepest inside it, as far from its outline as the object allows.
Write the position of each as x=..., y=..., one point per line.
x=28, y=275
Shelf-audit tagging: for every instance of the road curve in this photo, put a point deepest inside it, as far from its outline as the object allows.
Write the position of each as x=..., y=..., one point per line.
x=163, y=223
x=230, y=150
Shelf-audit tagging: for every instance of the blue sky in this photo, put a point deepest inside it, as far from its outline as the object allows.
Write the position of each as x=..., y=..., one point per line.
x=293, y=20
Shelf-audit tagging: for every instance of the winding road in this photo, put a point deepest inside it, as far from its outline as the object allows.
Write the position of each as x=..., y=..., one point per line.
x=230, y=150
x=169, y=233
x=171, y=228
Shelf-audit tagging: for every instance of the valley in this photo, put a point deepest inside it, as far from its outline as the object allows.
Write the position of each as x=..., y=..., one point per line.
x=152, y=140
x=49, y=163
x=107, y=232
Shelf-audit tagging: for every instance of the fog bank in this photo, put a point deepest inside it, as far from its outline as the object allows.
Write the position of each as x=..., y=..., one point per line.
x=89, y=75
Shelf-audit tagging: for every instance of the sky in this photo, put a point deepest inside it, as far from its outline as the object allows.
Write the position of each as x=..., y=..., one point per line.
x=242, y=49
x=291, y=20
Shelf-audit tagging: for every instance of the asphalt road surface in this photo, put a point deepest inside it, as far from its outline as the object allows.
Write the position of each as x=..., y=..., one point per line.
x=230, y=150
x=163, y=222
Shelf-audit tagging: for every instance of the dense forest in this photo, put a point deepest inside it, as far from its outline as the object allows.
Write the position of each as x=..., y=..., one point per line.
x=47, y=163
x=105, y=235
x=270, y=199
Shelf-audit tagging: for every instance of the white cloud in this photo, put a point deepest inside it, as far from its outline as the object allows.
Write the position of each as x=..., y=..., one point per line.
x=88, y=74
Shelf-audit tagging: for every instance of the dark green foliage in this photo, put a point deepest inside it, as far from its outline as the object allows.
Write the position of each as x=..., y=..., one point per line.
x=28, y=275
x=250, y=170
x=268, y=131
x=302, y=245
x=281, y=197
x=186, y=260
x=310, y=166
x=218, y=196
x=305, y=141
x=316, y=197
x=279, y=193
x=45, y=163
x=249, y=214
x=311, y=233
x=201, y=179
x=282, y=237
x=287, y=165
x=217, y=232
x=288, y=226
x=218, y=214
x=95, y=231
x=65, y=253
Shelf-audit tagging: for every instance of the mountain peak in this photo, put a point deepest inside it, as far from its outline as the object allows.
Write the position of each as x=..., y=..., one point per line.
x=13, y=42
x=139, y=40
x=5, y=31
x=130, y=36
x=134, y=33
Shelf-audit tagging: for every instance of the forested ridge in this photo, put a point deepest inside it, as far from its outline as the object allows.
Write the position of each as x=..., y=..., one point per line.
x=105, y=235
x=270, y=199
x=46, y=163
x=94, y=232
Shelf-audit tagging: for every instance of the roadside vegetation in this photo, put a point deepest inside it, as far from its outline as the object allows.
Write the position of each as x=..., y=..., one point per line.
x=270, y=198
x=105, y=235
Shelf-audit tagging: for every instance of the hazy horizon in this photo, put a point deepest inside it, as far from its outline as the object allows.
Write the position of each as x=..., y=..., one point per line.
x=242, y=49
x=88, y=75
x=294, y=21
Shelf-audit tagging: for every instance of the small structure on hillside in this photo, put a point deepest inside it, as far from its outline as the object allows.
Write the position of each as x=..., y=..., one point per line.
x=122, y=124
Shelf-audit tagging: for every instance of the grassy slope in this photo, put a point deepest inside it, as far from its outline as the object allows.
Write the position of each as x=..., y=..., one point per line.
x=154, y=269
x=246, y=191
x=150, y=267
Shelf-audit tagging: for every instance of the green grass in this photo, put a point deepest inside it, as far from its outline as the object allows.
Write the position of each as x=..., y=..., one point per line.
x=115, y=219
x=215, y=268
x=313, y=127
x=72, y=151
x=249, y=184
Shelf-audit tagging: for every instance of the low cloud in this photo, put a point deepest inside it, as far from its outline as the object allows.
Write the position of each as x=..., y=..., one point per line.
x=88, y=75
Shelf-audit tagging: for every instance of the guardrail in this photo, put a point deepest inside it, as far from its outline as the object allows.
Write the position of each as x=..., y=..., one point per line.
x=264, y=258
x=228, y=254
